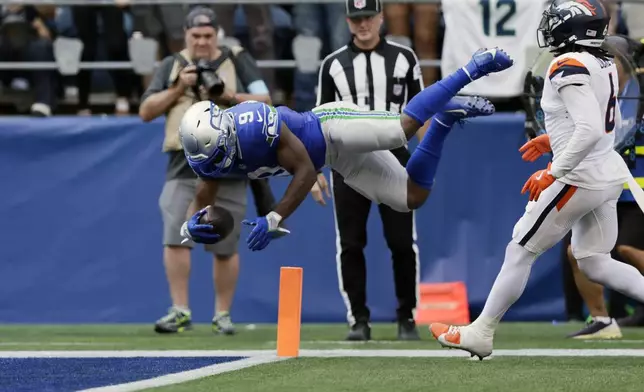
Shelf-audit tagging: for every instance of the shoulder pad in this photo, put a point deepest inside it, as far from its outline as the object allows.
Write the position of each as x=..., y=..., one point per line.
x=566, y=65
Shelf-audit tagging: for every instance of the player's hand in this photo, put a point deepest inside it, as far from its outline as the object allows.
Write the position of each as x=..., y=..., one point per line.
x=193, y=230
x=266, y=228
x=320, y=188
x=538, y=182
x=535, y=148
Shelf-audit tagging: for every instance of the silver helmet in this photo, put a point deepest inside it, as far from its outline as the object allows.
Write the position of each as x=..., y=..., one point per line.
x=208, y=138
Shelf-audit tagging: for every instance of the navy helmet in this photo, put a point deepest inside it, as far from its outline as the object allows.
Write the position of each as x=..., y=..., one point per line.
x=573, y=22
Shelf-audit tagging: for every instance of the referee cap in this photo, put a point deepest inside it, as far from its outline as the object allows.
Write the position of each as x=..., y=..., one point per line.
x=201, y=17
x=357, y=8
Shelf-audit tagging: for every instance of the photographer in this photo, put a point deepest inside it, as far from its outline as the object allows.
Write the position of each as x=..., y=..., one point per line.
x=227, y=76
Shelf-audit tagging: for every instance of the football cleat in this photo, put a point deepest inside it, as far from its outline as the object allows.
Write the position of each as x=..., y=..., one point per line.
x=465, y=107
x=463, y=338
x=598, y=330
x=487, y=61
x=360, y=331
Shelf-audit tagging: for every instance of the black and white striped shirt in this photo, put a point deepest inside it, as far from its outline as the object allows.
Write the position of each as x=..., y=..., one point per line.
x=384, y=78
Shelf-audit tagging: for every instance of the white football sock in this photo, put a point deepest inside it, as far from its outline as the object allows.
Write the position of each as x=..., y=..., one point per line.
x=507, y=288
x=611, y=273
x=603, y=319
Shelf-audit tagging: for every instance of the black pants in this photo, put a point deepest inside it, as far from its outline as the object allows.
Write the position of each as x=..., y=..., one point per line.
x=43, y=82
x=86, y=22
x=351, y=213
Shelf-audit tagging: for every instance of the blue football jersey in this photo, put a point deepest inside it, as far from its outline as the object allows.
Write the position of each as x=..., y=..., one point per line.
x=258, y=128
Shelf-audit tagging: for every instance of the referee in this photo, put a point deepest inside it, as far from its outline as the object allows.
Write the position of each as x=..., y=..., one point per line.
x=374, y=74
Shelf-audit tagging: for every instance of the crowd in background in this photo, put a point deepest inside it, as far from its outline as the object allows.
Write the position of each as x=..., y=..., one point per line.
x=267, y=31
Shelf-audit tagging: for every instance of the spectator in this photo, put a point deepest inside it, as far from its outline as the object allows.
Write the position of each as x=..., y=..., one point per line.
x=260, y=28
x=86, y=22
x=163, y=23
x=314, y=20
x=474, y=24
x=633, y=14
x=25, y=36
x=174, y=88
x=426, y=18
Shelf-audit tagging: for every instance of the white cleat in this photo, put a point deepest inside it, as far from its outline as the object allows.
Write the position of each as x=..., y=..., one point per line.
x=464, y=338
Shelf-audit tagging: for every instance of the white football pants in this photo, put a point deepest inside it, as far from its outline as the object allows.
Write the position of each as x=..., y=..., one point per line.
x=358, y=144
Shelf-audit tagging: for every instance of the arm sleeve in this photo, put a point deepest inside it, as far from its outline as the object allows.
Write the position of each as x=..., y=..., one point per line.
x=249, y=74
x=414, y=76
x=326, y=85
x=586, y=114
x=160, y=78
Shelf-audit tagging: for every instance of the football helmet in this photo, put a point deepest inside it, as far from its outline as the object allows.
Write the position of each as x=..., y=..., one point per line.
x=208, y=138
x=568, y=22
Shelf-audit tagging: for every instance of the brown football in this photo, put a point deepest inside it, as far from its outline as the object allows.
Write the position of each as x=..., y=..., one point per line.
x=220, y=218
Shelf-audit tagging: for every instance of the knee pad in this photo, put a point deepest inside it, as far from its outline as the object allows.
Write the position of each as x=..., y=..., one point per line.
x=592, y=266
x=580, y=254
x=515, y=253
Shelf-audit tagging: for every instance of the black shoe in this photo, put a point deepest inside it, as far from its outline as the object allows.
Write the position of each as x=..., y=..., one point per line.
x=175, y=321
x=634, y=320
x=407, y=330
x=360, y=331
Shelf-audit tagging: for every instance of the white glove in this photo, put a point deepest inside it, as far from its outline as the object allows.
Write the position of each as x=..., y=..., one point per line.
x=185, y=233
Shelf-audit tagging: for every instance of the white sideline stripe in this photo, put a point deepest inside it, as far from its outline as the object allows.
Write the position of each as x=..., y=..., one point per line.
x=135, y=353
x=460, y=353
x=188, y=375
x=90, y=344
x=270, y=354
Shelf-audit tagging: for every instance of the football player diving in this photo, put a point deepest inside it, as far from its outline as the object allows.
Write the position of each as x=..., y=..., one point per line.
x=257, y=140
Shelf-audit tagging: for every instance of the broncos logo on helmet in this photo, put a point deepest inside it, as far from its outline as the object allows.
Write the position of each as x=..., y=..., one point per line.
x=573, y=22
x=209, y=138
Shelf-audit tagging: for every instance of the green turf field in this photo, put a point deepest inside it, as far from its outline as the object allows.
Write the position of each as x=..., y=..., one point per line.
x=506, y=372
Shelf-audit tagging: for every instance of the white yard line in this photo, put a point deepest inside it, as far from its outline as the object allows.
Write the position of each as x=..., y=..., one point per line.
x=135, y=353
x=458, y=353
x=259, y=357
x=188, y=375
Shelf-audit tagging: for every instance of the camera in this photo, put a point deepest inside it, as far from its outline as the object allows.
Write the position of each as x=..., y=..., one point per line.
x=208, y=78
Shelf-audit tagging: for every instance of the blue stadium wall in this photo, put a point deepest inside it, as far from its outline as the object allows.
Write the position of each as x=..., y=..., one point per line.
x=80, y=229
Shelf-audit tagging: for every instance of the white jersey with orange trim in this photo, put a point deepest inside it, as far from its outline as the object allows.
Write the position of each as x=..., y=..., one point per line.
x=580, y=106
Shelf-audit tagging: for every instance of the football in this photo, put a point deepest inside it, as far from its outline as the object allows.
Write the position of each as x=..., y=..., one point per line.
x=220, y=218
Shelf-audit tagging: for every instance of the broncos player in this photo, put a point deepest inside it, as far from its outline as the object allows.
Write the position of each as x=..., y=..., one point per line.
x=257, y=140
x=580, y=188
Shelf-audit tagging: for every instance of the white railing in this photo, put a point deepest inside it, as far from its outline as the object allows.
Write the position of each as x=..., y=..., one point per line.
x=141, y=2
x=108, y=65
x=137, y=2
x=271, y=64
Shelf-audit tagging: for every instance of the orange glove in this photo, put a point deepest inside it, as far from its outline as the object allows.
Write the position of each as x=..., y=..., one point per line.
x=538, y=182
x=535, y=148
